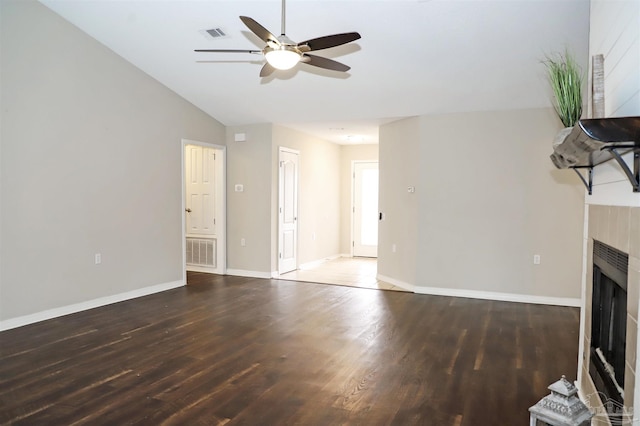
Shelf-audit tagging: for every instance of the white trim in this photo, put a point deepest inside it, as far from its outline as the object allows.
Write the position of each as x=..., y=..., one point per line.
x=583, y=289
x=504, y=297
x=485, y=295
x=352, y=206
x=289, y=150
x=194, y=268
x=89, y=304
x=249, y=274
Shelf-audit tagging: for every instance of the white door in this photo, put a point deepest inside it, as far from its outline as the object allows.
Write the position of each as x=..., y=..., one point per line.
x=203, y=208
x=288, y=211
x=365, y=209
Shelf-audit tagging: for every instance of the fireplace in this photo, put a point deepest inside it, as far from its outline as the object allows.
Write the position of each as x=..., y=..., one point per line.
x=609, y=323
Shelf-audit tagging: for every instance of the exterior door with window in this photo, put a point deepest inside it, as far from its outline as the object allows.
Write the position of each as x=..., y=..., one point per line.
x=365, y=209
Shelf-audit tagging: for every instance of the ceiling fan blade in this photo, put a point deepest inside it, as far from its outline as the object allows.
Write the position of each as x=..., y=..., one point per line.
x=260, y=31
x=228, y=50
x=266, y=70
x=330, y=41
x=329, y=64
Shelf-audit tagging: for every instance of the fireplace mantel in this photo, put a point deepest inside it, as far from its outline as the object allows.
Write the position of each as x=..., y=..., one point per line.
x=595, y=141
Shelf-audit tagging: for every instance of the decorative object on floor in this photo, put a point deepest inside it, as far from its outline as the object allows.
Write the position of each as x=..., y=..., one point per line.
x=282, y=53
x=560, y=408
x=565, y=77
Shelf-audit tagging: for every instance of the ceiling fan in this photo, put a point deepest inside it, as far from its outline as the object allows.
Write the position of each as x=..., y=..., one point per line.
x=282, y=53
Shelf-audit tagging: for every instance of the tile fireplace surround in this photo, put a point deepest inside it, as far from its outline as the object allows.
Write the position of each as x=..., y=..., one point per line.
x=618, y=227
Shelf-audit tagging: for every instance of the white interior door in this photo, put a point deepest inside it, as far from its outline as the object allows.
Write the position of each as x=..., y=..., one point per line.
x=365, y=209
x=204, y=208
x=288, y=211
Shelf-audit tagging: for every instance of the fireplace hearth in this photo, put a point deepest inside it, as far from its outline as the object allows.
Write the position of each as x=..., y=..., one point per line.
x=609, y=323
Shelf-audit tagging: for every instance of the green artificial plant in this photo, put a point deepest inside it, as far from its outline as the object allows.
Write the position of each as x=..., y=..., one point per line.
x=565, y=77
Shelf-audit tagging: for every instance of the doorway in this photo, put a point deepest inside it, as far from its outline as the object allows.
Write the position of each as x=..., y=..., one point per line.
x=365, y=209
x=287, y=210
x=204, y=220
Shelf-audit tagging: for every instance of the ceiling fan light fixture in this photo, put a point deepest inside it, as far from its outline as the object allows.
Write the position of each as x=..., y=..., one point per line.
x=282, y=58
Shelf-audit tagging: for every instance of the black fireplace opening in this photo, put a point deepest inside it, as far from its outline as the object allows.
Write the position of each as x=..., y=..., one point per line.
x=609, y=322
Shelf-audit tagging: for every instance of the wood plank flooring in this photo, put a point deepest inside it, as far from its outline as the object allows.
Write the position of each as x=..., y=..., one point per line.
x=241, y=351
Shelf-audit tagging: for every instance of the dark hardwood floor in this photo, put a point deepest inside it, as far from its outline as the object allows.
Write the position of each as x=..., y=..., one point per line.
x=241, y=351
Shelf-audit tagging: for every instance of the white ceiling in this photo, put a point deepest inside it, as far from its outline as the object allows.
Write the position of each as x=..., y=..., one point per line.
x=414, y=57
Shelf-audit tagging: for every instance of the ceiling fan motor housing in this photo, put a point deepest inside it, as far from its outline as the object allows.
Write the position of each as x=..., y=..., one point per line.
x=283, y=57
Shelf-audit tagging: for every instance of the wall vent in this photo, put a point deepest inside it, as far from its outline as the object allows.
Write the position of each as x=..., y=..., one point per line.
x=216, y=33
x=201, y=252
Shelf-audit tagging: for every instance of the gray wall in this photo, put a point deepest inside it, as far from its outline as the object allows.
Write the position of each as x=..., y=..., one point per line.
x=249, y=212
x=487, y=199
x=90, y=163
x=399, y=168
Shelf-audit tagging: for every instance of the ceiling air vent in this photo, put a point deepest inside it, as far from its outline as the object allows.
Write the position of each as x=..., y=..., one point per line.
x=216, y=33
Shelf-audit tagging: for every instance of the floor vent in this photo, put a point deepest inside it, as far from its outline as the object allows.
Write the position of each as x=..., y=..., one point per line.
x=201, y=252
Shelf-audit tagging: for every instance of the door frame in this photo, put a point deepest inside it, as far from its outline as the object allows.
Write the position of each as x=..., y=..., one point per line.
x=282, y=149
x=353, y=198
x=222, y=239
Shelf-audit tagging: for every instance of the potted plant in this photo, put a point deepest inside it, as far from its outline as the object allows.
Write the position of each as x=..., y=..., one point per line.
x=565, y=77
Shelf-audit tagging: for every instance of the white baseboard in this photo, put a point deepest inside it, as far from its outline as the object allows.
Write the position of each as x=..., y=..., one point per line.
x=485, y=295
x=83, y=306
x=192, y=268
x=504, y=297
x=249, y=274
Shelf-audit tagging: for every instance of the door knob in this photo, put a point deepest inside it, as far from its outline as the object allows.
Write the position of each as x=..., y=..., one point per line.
x=187, y=210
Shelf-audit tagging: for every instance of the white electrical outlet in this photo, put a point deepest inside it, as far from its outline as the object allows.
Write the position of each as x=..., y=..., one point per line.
x=313, y=236
x=393, y=248
x=243, y=242
x=98, y=258
x=536, y=259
